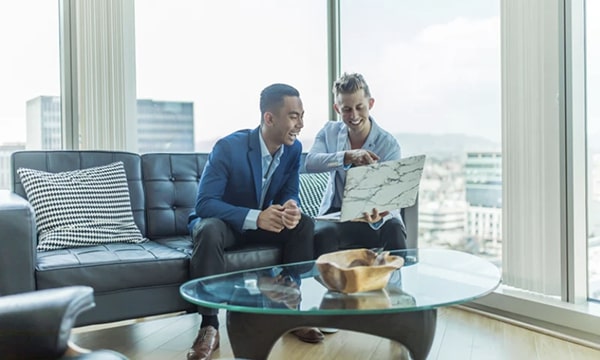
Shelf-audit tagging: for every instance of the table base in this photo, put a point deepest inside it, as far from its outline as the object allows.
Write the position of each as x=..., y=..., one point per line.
x=252, y=336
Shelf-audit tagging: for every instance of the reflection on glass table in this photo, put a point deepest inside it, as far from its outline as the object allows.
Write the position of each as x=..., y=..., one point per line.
x=392, y=296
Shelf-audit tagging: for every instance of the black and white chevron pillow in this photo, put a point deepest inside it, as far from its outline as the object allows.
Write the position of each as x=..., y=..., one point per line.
x=81, y=208
x=312, y=188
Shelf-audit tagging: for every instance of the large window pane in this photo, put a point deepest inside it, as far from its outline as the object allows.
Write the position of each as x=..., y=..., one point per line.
x=434, y=69
x=209, y=60
x=30, y=73
x=593, y=132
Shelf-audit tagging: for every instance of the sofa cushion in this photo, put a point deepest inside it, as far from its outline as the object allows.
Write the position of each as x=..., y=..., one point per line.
x=81, y=207
x=312, y=188
x=112, y=267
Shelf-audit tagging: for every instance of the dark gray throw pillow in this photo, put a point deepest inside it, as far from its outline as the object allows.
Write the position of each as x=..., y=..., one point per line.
x=82, y=207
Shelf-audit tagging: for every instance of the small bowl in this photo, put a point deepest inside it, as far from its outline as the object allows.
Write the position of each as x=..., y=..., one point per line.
x=358, y=270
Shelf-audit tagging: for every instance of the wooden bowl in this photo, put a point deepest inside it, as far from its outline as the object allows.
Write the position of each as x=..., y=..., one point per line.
x=358, y=270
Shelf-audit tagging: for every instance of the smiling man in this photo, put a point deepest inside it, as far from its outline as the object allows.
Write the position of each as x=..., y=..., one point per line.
x=249, y=193
x=356, y=140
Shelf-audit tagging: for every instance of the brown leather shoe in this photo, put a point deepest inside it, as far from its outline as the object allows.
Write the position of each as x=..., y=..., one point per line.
x=309, y=335
x=206, y=342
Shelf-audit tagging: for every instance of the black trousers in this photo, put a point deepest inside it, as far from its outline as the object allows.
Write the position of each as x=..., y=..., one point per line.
x=212, y=236
x=332, y=236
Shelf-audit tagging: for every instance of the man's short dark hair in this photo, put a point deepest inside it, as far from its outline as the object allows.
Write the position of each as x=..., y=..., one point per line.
x=272, y=96
x=350, y=83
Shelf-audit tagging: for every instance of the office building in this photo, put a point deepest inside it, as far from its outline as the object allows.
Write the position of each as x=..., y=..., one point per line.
x=165, y=126
x=43, y=123
x=162, y=126
x=483, y=187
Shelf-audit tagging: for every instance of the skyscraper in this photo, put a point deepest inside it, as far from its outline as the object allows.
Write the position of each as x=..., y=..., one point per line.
x=43, y=123
x=162, y=126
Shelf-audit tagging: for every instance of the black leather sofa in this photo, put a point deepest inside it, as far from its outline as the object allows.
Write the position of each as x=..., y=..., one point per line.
x=129, y=280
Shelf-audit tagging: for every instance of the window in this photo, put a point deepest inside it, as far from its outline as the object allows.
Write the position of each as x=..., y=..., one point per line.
x=211, y=59
x=433, y=68
x=196, y=64
x=30, y=73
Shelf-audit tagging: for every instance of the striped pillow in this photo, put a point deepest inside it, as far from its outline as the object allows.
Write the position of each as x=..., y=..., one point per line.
x=312, y=188
x=82, y=207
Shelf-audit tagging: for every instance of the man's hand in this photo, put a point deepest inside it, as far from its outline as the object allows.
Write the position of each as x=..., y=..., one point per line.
x=291, y=214
x=271, y=219
x=373, y=217
x=359, y=157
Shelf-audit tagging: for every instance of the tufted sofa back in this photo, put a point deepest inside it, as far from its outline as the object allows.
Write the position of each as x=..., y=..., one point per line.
x=163, y=186
x=170, y=183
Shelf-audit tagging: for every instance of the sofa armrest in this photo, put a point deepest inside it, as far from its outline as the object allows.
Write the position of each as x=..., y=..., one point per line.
x=38, y=324
x=18, y=241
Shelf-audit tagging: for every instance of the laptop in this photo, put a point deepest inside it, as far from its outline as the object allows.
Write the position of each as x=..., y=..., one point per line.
x=385, y=186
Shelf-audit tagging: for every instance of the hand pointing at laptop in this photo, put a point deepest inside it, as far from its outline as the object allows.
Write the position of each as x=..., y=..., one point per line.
x=359, y=157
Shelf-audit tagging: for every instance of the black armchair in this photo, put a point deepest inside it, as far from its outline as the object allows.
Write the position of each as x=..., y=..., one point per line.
x=37, y=325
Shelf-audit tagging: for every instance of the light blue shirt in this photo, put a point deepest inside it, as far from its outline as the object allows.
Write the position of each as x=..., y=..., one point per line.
x=269, y=164
x=327, y=155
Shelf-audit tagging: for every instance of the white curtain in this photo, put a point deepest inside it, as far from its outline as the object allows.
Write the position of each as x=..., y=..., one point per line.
x=531, y=141
x=104, y=54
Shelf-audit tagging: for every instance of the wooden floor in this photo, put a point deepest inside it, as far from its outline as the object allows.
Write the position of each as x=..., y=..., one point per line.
x=460, y=334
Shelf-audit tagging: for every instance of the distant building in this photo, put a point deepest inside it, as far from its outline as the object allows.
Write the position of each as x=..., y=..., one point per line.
x=442, y=206
x=43, y=123
x=485, y=225
x=483, y=179
x=442, y=222
x=5, y=169
x=163, y=126
x=436, y=217
x=483, y=187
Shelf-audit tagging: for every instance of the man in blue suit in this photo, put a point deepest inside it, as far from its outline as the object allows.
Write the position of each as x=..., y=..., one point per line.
x=249, y=193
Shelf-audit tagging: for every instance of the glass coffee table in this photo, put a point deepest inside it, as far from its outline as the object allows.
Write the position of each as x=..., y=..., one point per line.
x=263, y=304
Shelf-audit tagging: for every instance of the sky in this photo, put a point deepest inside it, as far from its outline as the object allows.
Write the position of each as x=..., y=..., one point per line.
x=297, y=55
x=29, y=65
x=433, y=66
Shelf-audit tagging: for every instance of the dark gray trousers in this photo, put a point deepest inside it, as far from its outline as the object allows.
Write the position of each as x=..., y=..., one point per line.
x=212, y=236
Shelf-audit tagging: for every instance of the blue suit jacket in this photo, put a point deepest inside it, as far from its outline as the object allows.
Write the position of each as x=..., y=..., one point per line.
x=232, y=179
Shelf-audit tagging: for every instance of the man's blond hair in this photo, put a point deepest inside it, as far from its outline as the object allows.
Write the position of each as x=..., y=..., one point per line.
x=349, y=84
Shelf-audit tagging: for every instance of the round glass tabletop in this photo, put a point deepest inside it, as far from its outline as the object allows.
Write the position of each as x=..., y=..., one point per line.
x=430, y=278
